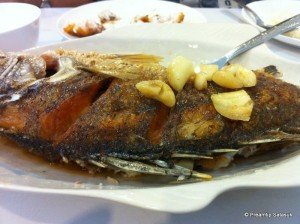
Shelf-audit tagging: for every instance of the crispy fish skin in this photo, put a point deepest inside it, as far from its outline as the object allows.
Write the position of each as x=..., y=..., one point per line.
x=118, y=123
x=91, y=116
x=194, y=125
x=39, y=112
x=121, y=127
x=121, y=120
x=46, y=112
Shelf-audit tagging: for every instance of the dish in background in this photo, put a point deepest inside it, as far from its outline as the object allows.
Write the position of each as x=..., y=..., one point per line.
x=107, y=20
x=295, y=33
x=195, y=41
x=19, y=24
x=272, y=12
x=86, y=17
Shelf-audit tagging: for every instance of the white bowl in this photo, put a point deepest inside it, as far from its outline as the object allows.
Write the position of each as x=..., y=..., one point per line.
x=19, y=24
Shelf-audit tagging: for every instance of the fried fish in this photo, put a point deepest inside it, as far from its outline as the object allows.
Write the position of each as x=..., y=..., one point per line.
x=85, y=107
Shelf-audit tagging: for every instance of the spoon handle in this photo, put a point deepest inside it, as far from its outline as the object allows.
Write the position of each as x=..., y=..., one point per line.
x=282, y=27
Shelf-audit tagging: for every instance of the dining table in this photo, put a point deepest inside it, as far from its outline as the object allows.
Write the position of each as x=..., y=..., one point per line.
x=233, y=206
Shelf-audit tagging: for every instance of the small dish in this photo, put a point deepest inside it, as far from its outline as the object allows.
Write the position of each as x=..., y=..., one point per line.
x=126, y=11
x=272, y=12
x=19, y=24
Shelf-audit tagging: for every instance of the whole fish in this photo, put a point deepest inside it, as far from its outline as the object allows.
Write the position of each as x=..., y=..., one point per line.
x=84, y=107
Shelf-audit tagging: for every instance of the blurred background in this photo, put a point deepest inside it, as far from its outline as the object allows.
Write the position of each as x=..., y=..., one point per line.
x=192, y=3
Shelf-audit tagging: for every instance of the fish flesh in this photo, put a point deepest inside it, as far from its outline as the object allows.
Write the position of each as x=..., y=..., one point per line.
x=79, y=107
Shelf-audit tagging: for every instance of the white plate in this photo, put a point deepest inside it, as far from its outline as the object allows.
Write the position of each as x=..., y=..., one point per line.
x=272, y=11
x=199, y=42
x=126, y=10
x=19, y=24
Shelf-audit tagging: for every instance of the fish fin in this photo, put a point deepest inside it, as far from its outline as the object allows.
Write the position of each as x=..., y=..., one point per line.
x=141, y=167
x=271, y=70
x=190, y=156
x=140, y=58
x=90, y=58
x=98, y=163
x=272, y=136
x=293, y=128
x=126, y=67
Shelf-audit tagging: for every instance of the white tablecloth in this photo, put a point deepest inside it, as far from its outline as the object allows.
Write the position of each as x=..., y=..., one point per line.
x=229, y=207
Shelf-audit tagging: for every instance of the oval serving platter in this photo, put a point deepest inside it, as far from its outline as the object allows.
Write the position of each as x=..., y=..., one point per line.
x=199, y=42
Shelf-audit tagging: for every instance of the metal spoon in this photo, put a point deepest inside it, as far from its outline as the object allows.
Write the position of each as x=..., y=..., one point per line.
x=253, y=14
x=282, y=27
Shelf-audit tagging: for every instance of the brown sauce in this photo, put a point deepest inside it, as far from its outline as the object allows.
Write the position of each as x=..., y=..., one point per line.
x=71, y=169
x=24, y=154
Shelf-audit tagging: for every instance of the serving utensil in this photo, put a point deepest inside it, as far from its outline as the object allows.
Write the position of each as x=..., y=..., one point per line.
x=280, y=28
x=253, y=14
